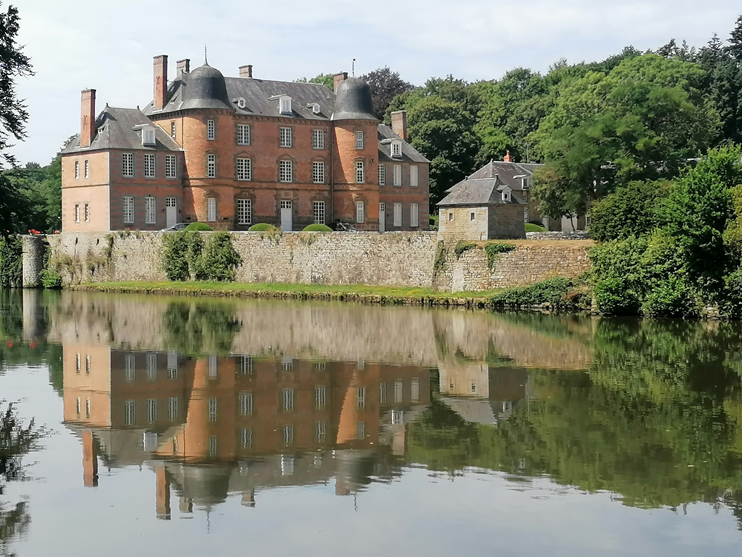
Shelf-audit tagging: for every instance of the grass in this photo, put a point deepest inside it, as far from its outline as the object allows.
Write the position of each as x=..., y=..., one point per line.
x=530, y=227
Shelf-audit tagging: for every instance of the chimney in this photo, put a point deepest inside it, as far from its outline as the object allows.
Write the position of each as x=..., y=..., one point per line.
x=399, y=123
x=87, y=128
x=184, y=66
x=339, y=78
x=246, y=71
x=507, y=157
x=160, y=81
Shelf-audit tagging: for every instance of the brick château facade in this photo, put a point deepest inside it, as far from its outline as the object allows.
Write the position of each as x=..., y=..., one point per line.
x=236, y=151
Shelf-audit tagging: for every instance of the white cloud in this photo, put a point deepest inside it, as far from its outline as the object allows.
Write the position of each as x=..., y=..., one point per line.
x=76, y=44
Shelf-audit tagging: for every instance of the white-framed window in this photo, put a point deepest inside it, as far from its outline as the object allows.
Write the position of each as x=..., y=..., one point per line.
x=172, y=130
x=397, y=175
x=87, y=212
x=213, y=407
x=318, y=172
x=246, y=404
x=287, y=400
x=359, y=140
x=318, y=139
x=171, y=165
x=173, y=410
x=213, y=449
x=244, y=169
x=360, y=430
x=360, y=172
x=318, y=208
x=361, y=398
x=415, y=390
x=149, y=165
x=246, y=438
x=320, y=397
x=213, y=366
x=128, y=209
x=396, y=148
x=397, y=214
x=130, y=412
x=382, y=393
x=506, y=196
x=286, y=171
x=87, y=364
x=148, y=136
x=244, y=216
x=398, y=391
x=246, y=363
x=150, y=210
x=382, y=175
x=210, y=130
x=127, y=165
x=414, y=176
x=172, y=361
x=151, y=410
x=414, y=214
x=243, y=134
x=320, y=431
x=87, y=169
x=287, y=433
x=397, y=417
x=87, y=408
x=211, y=166
x=360, y=212
x=285, y=105
x=77, y=213
x=211, y=209
x=77, y=170
x=130, y=368
x=78, y=363
x=286, y=137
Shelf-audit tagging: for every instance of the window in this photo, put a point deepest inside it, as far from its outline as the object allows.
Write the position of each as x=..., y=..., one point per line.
x=414, y=214
x=127, y=165
x=148, y=136
x=397, y=417
x=360, y=212
x=244, y=212
x=87, y=364
x=213, y=449
x=244, y=169
x=506, y=196
x=361, y=398
x=212, y=409
x=318, y=172
x=150, y=210
x=130, y=412
x=151, y=366
x=130, y=370
x=287, y=400
x=360, y=430
x=170, y=166
x=246, y=438
x=472, y=216
x=213, y=367
x=286, y=171
x=245, y=404
x=243, y=134
x=415, y=390
x=87, y=169
x=398, y=391
x=172, y=130
x=151, y=410
x=396, y=149
x=128, y=209
x=173, y=410
x=77, y=170
x=211, y=166
x=359, y=140
x=320, y=397
x=450, y=217
x=87, y=408
x=285, y=105
x=211, y=209
x=211, y=130
x=382, y=393
x=318, y=139
x=414, y=176
x=397, y=214
x=382, y=175
x=319, y=366
x=286, y=137
x=77, y=213
x=360, y=174
x=398, y=175
x=87, y=213
x=78, y=363
x=246, y=365
x=318, y=209
x=149, y=166
x=320, y=431
x=287, y=433
x=78, y=406
x=172, y=365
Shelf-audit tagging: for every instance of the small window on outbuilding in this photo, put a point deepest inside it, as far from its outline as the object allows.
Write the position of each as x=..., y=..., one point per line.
x=450, y=216
x=506, y=196
x=472, y=216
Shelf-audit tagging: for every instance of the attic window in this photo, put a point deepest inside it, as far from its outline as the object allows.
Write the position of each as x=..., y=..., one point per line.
x=506, y=196
x=285, y=105
x=396, y=148
x=148, y=136
x=241, y=103
x=316, y=109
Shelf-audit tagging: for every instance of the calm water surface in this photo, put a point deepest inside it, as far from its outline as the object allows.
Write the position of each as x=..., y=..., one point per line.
x=197, y=427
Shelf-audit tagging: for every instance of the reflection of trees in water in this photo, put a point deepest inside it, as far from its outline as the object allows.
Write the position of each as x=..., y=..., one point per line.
x=200, y=328
x=16, y=440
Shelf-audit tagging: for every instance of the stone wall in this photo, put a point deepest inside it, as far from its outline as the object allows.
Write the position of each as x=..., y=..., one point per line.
x=405, y=259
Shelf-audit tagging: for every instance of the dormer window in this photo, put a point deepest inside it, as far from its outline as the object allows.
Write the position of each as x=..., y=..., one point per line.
x=148, y=136
x=396, y=148
x=316, y=109
x=506, y=195
x=285, y=105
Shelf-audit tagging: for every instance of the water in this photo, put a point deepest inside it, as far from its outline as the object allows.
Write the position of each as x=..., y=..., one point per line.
x=193, y=427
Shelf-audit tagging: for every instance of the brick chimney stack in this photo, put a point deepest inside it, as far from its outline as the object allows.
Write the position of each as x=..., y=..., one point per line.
x=339, y=78
x=184, y=66
x=160, y=64
x=399, y=123
x=246, y=71
x=507, y=157
x=87, y=127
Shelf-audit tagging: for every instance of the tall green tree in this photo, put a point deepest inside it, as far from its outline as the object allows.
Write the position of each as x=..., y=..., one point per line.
x=385, y=85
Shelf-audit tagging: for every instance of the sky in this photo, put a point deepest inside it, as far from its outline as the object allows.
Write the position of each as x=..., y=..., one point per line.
x=108, y=45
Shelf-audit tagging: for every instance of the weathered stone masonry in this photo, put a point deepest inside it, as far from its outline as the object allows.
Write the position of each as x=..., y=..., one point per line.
x=405, y=259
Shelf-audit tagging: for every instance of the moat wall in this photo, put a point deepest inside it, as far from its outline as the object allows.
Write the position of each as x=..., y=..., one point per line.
x=405, y=259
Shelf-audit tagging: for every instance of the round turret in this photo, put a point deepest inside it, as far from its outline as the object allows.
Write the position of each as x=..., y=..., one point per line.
x=353, y=101
x=206, y=88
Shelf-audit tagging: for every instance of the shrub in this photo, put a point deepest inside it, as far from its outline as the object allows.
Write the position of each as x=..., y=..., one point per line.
x=51, y=279
x=263, y=227
x=731, y=305
x=317, y=228
x=493, y=251
x=551, y=291
x=616, y=296
x=11, y=262
x=175, y=256
x=220, y=260
x=198, y=227
x=530, y=227
x=462, y=246
x=672, y=297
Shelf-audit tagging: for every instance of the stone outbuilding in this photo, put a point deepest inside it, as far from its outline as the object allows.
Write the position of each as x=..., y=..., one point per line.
x=481, y=209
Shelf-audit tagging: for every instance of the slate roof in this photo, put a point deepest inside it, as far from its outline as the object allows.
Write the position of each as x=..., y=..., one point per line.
x=353, y=101
x=479, y=191
x=409, y=153
x=506, y=172
x=120, y=128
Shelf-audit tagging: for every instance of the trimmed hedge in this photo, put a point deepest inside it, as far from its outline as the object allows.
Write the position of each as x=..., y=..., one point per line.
x=530, y=227
x=262, y=227
x=198, y=227
x=318, y=228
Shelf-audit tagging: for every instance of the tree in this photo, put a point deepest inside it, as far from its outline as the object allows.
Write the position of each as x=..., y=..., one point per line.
x=326, y=79
x=385, y=85
x=735, y=41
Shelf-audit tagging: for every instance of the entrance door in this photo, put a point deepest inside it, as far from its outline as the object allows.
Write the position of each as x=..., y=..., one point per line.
x=286, y=217
x=171, y=211
x=382, y=217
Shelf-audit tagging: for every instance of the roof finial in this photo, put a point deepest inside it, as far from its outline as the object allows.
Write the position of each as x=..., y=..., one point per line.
x=206, y=58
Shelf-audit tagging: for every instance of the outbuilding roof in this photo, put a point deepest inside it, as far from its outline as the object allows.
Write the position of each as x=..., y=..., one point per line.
x=507, y=172
x=479, y=191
